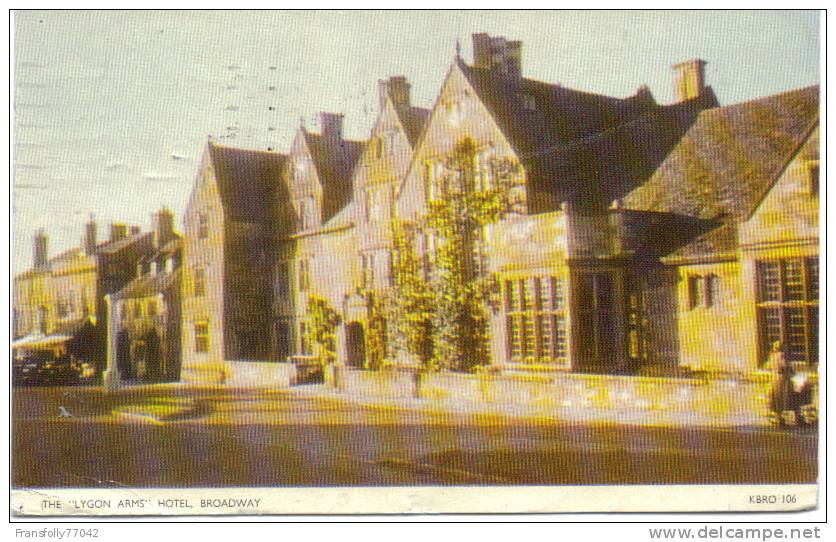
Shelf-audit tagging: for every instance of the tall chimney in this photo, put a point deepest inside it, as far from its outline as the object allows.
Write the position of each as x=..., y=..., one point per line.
x=689, y=79
x=163, y=221
x=331, y=125
x=39, y=249
x=498, y=55
x=118, y=231
x=397, y=88
x=90, y=237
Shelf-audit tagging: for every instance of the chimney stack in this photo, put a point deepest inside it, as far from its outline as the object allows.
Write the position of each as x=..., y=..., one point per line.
x=39, y=249
x=397, y=88
x=118, y=231
x=689, y=79
x=163, y=221
x=498, y=55
x=90, y=237
x=331, y=125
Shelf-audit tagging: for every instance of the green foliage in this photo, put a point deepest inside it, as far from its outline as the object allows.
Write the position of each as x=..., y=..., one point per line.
x=376, y=336
x=444, y=320
x=410, y=304
x=322, y=322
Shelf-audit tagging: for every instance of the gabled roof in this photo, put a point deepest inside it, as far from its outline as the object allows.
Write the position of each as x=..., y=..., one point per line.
x=113, y=247
x=605, y=166
x=334, y=158
x=247, y=181
x=724, y=163
x=413, y=119
x=572, y=142
x=148, y=285
x=559, y=115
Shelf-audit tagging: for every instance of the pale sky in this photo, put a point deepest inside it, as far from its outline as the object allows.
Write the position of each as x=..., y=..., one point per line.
x=112, y=109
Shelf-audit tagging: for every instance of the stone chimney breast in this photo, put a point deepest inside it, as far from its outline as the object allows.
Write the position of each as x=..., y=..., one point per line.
x=331, y=125
x=40, y=254
x=118, y=231
x=689, y=79
x=497, y=54
x=397, y=88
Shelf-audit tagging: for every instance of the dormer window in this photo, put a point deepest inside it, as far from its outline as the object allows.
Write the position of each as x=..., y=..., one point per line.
x=529, y=104
x=813, y=177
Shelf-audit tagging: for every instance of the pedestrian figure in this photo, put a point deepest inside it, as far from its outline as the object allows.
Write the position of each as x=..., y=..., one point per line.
x=780, y=396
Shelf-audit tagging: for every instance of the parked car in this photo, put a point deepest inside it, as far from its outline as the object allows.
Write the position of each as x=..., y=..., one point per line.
x=45, y=369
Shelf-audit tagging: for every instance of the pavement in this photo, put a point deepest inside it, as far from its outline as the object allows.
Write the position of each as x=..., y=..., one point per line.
x=571, y=414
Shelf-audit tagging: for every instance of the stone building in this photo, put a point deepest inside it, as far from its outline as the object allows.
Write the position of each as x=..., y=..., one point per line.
x=147, y=313
x=644, y=236
x=62, y=295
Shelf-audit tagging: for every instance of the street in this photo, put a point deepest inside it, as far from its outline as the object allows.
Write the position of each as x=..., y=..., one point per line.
x=204, y=437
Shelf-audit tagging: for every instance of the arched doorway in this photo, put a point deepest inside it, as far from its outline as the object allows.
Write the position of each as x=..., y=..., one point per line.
x=153, y=357
x=356, y=345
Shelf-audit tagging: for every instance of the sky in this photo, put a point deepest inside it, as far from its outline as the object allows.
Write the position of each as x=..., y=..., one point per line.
x=112, y=109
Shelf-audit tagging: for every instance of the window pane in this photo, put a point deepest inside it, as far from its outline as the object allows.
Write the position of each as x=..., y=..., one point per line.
x=558, y=289
x=525, y=292
x=529, y=336
x=514, y=338
x=813, y=279
x=813, y=334
x=795, y=348
x=559, y=342
x=770, y=286
x=793, y=280
x=770, y=326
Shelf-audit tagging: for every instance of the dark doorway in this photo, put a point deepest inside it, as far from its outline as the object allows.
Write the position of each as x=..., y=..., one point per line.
x=356, y=345
x=283, y=342
x=123, y=355
x=153, y=357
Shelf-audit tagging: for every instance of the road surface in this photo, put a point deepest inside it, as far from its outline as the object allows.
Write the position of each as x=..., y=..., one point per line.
x=82, y=437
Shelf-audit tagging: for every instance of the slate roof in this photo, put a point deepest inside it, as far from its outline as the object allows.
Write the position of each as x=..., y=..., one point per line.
x=560, y=115
x=333, y=158
x=575, y=143
x=725, y=162
x=112, y=247
x=148, y=285
x=413, y=120
x=247, y=181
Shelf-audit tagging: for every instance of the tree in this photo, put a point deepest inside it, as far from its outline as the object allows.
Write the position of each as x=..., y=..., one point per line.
x=410, y=302
x=445, y=319
x=322, y=322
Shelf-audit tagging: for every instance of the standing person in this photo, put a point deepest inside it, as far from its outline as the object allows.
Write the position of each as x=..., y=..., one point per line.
x=780, y=395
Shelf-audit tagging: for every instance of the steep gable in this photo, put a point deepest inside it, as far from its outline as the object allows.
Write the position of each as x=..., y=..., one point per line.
x=247, y=181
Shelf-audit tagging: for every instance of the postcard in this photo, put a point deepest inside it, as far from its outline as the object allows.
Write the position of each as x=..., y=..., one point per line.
x=366, y=262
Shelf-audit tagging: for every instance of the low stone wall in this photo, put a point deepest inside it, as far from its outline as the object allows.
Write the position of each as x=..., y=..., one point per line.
x=259, y=373
x=547, y=392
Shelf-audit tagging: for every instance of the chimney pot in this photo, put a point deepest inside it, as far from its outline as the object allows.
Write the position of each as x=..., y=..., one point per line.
x=90, y=237
x=397, y=88
x=118, y=231
x=331, y=125
x=689, y=79
x=40, y=254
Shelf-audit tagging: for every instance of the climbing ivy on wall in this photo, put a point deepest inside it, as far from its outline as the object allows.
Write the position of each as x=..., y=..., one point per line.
x=441, y=303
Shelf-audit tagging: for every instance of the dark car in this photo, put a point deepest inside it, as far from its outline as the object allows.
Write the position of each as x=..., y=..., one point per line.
x=45, y=369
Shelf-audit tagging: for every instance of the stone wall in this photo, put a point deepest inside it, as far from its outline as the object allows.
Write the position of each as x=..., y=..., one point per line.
x=721, y=399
